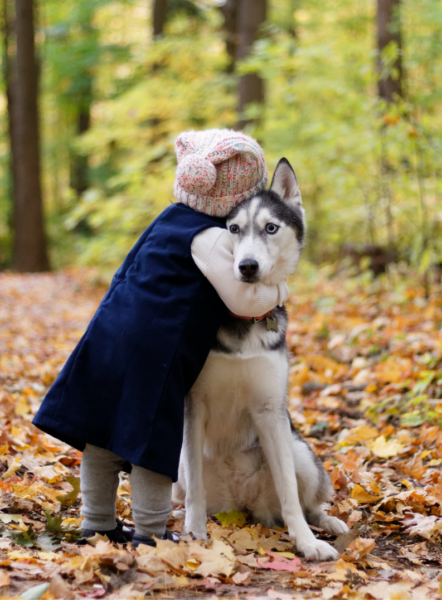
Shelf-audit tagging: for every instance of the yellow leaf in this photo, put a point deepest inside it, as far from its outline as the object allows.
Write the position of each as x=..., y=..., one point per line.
x=407, y=484
x=375, y=489
x=385, y=449
x=371, y=388
x=19, y=435
x=22, y=407
x=192, y=564
x=21, y=526
x=12, y=469
x=72, y=521
x=359, y=435
x=344, y=570
x=4, y=578
x=364, y=497
x=232, y=517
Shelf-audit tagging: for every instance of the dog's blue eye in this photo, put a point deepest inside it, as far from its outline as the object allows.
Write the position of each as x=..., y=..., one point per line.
x=271, y=228
x=234, y=228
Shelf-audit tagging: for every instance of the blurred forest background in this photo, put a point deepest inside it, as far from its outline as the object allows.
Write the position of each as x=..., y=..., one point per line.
x=94, y=92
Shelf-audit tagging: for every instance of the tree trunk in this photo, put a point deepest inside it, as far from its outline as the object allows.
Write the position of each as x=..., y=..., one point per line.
x=9, y=74
x=79, y=168
x=230, y=13
x=30, y=252
x=389, y=31
x=159, y=17
x=251, y=16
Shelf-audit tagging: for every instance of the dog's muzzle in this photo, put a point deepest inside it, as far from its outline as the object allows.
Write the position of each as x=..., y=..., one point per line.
x=249, y=268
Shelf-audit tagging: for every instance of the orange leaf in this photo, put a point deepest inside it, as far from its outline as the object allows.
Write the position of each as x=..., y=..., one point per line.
x=363, y=496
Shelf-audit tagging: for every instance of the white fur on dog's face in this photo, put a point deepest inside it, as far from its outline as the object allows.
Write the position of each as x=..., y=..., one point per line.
x=277, y=254
x=268, y=230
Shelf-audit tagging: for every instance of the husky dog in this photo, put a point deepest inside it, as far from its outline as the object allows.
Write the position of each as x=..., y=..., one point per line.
x=240, y=448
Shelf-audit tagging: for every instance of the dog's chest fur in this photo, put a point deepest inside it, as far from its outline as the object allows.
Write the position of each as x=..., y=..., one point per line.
x=247, y=365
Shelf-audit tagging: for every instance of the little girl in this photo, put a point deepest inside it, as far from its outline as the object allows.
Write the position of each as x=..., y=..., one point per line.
x=120, y=396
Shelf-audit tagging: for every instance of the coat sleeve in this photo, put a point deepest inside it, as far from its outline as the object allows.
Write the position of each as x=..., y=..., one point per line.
x=212, y=251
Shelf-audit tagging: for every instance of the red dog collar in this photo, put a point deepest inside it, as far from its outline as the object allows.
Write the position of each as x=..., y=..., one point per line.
x=270, y=315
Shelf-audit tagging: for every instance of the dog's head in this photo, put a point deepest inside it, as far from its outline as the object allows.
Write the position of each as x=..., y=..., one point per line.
x=268, y=230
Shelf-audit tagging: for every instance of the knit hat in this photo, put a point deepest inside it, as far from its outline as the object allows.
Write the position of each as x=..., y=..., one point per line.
x=217, y=169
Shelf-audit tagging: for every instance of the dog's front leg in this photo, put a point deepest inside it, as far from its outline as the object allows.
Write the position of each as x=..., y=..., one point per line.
x=276, y=440
x=194, y=425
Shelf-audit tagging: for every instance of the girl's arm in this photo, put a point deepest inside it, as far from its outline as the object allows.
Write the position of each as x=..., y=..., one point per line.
x=212, y=251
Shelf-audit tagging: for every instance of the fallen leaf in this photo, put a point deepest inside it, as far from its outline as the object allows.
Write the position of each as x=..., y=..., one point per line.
x=244, y=540
x=35, y=592
x=426, y=527
x=173, y=555
x=385, y=449
x=364, y=496
x=211, y=563
x=282, y=564
x=69, y=498
x=241, y=578
x=345, y=570
x=4, y=578
x=59, y=588
x=233, y=517
x=359, y=548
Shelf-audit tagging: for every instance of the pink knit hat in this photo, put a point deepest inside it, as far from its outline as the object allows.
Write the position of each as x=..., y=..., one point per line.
x=217, y=169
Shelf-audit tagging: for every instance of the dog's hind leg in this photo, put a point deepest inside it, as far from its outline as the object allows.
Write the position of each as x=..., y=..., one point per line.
x=193, y=446
x=319, y=518
x=314, y=487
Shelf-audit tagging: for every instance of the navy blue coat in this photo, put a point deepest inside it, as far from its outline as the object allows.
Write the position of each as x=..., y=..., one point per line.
x=123, y=387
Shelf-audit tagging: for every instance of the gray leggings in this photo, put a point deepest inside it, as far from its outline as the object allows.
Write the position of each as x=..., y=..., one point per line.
x=151, y=493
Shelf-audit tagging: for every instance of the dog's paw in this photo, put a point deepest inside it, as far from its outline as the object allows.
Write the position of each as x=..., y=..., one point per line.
x=198, y=535
x=197, y=527
x=318, y=550
x=334, y=525
x=196, y=520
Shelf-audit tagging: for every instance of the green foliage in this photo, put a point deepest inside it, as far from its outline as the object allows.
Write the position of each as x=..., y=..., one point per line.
x=323, y=113
x=369, y=172
x=132, y=141
x=53, y=524
x=414, y=407
x=69, y=498
x=55, y=528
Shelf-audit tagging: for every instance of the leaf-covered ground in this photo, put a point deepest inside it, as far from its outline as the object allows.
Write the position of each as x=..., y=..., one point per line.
x=365, y=390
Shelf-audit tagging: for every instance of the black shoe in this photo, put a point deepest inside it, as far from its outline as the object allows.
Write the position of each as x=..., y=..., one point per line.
x=149, y=541
x=120, y=535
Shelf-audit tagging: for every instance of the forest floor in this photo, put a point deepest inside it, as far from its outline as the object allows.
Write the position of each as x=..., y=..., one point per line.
x=365, y=389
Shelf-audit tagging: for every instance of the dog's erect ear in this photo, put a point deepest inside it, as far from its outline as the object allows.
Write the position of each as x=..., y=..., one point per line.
x=285, y=184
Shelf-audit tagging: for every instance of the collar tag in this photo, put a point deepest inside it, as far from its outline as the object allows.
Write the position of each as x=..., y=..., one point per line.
x=272, y=324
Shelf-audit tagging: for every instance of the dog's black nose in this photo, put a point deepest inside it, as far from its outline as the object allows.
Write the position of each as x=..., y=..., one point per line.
x=248, y=267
